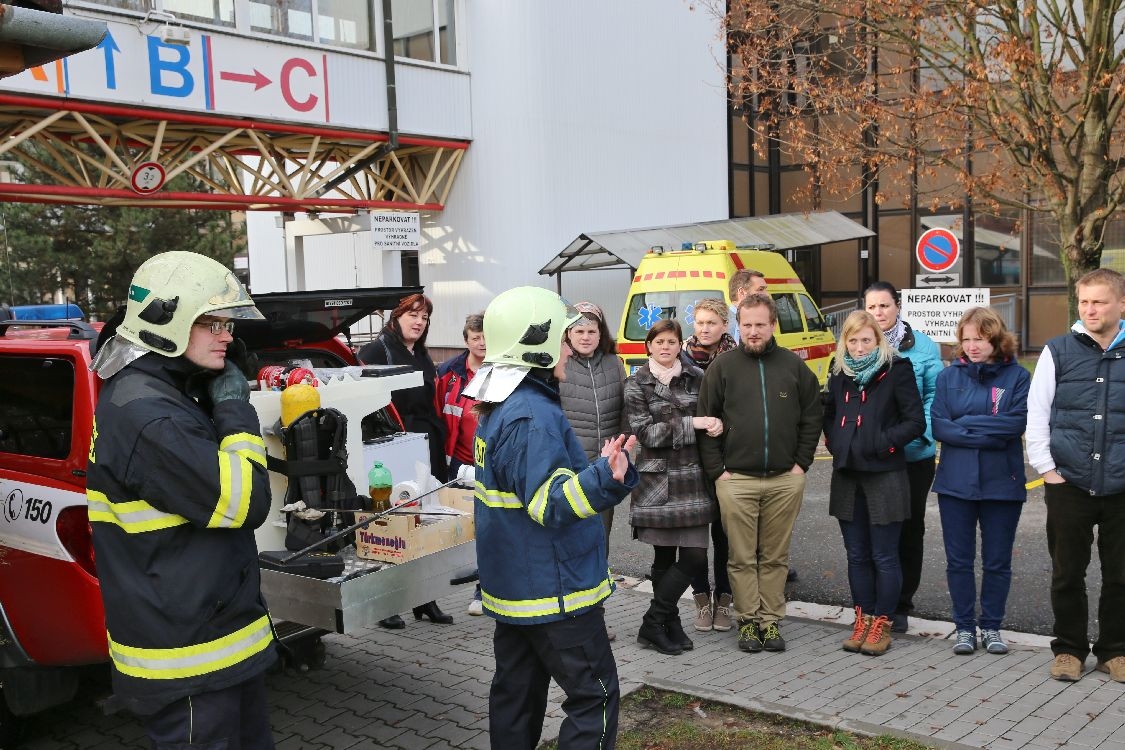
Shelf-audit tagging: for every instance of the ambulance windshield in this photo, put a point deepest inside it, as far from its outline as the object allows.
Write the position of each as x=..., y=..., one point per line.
x=647, y=308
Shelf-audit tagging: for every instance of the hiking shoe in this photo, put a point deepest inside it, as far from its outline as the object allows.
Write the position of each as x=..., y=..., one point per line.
x=724, y=616
x=878, y=638
x=992, y=642
x=749, y=637
x=966, y=642
x=899, y=622
x=704, y=617
x=1114, y=667
x=859, y=631
x=771, y=638
x=1067, y=667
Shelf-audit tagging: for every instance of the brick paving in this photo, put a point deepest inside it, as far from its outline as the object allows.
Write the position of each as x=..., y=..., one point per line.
x=426, y=687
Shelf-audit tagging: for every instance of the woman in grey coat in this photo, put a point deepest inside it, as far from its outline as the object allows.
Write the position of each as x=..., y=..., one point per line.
x=591, y=394
x=671, y=506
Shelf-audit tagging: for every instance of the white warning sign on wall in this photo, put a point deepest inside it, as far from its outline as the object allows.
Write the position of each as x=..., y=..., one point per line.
x=396, y=230
x=936, y=312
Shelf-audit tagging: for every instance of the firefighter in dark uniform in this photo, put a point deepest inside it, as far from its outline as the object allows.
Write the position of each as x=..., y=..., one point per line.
x=541, y=549
x=176, y=485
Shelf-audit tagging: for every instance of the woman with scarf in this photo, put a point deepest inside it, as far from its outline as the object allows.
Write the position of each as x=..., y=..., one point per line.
x=883, y=301
x=979, y=415
x=672, y=505
x=871, y=411
x=403, y=342
x=713, y=609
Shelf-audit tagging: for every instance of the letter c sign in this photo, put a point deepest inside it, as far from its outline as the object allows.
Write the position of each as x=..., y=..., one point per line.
x=287, y=69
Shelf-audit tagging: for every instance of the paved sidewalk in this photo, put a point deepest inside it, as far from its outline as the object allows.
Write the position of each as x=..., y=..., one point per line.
x=427, y=687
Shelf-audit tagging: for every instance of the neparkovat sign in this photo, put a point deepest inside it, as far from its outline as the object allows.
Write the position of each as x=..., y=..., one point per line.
x=936, y=312
x=396, y=230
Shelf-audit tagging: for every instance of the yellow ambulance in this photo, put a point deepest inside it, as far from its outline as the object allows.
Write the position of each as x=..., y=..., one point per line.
x=668, y=283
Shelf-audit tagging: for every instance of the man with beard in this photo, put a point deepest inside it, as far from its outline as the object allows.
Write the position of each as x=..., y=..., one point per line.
x=770, y=401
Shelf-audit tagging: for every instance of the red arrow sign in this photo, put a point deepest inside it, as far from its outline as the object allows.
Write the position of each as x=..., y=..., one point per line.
x=258, y=79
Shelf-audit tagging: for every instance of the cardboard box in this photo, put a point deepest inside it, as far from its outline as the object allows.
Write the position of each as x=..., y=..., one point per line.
x=401, y=537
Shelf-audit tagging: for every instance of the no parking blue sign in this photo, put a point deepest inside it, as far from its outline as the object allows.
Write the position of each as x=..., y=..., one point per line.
x=937, y=250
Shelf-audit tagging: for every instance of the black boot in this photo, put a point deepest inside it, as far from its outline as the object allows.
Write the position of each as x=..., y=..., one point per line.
x=394, y=622
x=671, y=587
x=430, y=610
x=653, y=633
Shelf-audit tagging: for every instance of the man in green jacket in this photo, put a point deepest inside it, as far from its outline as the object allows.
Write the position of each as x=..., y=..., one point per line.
x=770, y=401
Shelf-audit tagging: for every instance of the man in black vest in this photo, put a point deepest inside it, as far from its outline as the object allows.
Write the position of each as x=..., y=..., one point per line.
x=1076, y=441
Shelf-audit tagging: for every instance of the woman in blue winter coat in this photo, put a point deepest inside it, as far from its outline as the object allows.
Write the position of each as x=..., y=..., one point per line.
x=884, y=302
x=979, y=415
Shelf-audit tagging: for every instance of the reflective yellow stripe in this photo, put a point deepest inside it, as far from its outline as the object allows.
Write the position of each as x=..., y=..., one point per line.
x=192, y=661
x=133, y=516
x=236, y=479
x=537, y=508
x=589, y=597
x=496, y=498
x=520, y=607
x=248, y=446
x=576, y=496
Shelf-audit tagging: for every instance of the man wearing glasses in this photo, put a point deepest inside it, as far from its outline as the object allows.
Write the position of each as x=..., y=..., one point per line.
x=176, y=485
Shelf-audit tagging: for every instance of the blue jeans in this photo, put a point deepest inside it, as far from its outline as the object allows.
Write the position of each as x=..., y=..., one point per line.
x=998, y=520
x=874, y=573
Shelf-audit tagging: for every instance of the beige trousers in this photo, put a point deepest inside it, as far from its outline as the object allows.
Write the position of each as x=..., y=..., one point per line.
x=758, y=515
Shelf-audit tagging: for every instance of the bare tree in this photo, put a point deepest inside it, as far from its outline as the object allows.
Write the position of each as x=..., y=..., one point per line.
x=1011, y=102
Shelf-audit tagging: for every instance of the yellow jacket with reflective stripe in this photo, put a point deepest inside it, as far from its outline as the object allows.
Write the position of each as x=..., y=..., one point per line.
x=175, y=489
x=541, y=550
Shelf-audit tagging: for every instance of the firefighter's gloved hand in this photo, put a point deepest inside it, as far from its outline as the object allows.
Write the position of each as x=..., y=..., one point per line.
x=228, y=385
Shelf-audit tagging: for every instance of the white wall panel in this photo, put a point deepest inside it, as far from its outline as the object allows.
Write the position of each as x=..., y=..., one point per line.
x=586, y=116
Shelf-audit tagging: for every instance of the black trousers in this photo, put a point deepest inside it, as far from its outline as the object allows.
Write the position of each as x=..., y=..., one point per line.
x=920, y=474
x=576, y=653
x=1072, y=514
x=234, y=718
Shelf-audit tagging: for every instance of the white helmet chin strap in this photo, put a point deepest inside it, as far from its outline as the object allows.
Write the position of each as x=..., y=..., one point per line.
x=494, y=383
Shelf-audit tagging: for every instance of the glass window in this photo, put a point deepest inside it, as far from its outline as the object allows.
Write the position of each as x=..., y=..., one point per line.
x=788, y=315
x=1046, y=266
x=291, y=18
x=220, y=12
x=36, y=406
x=647, y=308
x=346, y=23
x=141, y=5
x=413, y=29
x=814, y=321
x=997, y=256
x=447, y=30
x=1113, y=248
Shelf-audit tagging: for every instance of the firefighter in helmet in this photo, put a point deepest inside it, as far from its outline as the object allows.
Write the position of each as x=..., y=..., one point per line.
x=176, y=485
x=541, y=549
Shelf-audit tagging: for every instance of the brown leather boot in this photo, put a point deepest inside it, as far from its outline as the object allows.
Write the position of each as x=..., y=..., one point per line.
x=703, y=613
x=878, y=638
x=723, y=618
x=859, y=631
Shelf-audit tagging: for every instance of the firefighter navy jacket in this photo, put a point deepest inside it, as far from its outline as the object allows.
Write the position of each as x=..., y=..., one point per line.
x=541, y=550
x=175, y=489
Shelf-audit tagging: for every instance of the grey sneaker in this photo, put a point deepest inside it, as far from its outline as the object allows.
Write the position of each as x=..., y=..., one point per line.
x=992, y=642
x=966, y=642
x=749, y=637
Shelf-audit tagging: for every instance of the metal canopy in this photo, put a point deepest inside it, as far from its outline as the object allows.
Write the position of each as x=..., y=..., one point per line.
x=624, y=249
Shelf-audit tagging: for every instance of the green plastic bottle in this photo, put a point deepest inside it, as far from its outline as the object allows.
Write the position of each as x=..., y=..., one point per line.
x=379, y=487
